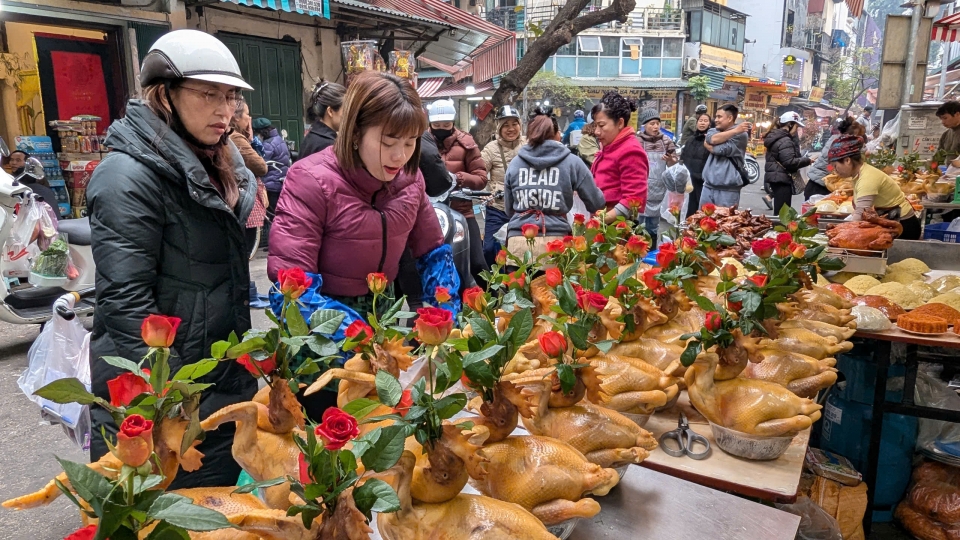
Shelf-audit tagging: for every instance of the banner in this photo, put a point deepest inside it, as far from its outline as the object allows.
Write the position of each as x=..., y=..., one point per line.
x=81, y=86
x=755, y=100
x=816, y=94
x=777, y=100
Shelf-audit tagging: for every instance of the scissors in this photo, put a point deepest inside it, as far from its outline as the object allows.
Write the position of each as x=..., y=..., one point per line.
x=685, y=438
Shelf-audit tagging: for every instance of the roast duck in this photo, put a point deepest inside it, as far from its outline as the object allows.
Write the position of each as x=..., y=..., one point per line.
x=931, y=509
x=742, y=225
x=871, y=233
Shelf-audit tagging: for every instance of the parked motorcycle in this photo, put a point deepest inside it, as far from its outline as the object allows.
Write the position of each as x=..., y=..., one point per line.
x=753, y=168
x=454, y=228
x=27, y=298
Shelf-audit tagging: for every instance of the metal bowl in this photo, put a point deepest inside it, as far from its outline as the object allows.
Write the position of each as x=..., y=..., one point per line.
x=749, y=446
x=564, y=529
x=669, y=404
x=639, y=419
x=622, y=470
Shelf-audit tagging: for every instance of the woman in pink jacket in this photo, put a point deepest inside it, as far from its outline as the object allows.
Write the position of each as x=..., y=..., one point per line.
x=620, y=167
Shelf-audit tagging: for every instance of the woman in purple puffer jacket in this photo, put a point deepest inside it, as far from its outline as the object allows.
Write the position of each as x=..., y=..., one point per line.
x=354, y=208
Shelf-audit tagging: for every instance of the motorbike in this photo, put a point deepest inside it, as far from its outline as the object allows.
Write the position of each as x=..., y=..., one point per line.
x=27, y=298
x=454, y=228
x=753, y=168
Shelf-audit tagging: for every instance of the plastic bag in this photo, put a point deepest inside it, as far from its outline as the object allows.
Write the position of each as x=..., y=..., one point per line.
x=935, y=435
x=870, y=319
x=54, y=261
x=23, y=230
x=676, y=176
x=888, y=135
x=61, y=351
x=815, y=522
x=577, y=208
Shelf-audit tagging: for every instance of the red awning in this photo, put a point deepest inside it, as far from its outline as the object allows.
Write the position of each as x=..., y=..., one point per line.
x=427, y=87
x=460, y=90
x=946, y=29
x=855, y=7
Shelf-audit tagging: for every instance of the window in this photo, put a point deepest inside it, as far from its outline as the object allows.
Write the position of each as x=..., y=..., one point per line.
x=662, y=58
x=788, y=30
x=694, y=25
x=630, y=55
x=708, y=27
x=589, y=44
x=652, y=47
x=611, y=46
x=724, y=28
x=587, y=66
x=673, y=48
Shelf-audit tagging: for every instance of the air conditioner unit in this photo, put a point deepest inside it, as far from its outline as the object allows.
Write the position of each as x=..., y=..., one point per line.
x=691, y=65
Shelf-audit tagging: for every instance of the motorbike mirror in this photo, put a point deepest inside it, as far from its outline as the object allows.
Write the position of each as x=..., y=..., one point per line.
x=283, y=133
x=4, y=149
x=33, y=168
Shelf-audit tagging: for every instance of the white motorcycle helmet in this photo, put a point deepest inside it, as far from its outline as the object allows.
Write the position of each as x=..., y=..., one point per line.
x=191, y=54
x=791, y=116
x=442, y=110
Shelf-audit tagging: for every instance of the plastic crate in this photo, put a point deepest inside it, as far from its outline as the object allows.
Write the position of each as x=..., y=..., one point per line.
x=938, y=231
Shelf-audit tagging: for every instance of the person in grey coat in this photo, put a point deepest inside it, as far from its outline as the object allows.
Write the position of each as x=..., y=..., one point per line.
x=661, y=156
x=539, y=187
x=727, y=144
x=818, y=170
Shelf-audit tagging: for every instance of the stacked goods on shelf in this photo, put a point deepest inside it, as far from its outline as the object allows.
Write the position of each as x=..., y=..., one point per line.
x=42, y=149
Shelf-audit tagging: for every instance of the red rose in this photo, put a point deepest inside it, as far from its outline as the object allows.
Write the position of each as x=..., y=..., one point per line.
x=126, y=386
x=621, y=290
x=516, y=278
x=599, y=238
x=556, y=246
x=637, y=246
x=553, y=344
x=783, y=250
x=593, y=224
x=764, y=247
x=728, y=272
x=660, y=290
x=813, y=220
x=529, y=231
x=403, y=406
x=793, y=226
x=554, y=277
x=709, y=209
x=667, y=254
x=337, y=428
x=579, y=243
x=713, y=321
x=267, y=365
x=734, y=307
x=475, y=299
x=304, y=469
x=159, y=330
x=568, y=241
x=579, y=219
x=86, y=533
x=622, y=226
x=649, y=278
x=501, y=257
x=357, y=328
x=433, y=325
x=135, y=440
x=591, y=302
x=377, y=282
x=688, y=245
x=634, y=203
x=758, y=279
x=798, y=250
x=441, y=294
x=294, y=282
x=709, y=225
x=784, y=238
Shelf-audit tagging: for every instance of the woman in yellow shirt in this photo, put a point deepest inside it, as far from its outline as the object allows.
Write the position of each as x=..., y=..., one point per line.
x=871, y=186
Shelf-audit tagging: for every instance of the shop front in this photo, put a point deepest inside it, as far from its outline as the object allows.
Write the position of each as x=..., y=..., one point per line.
x=662, y=98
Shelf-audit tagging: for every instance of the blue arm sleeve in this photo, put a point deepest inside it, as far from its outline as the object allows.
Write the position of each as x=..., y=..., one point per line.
x=437, y=270
x=311, y=301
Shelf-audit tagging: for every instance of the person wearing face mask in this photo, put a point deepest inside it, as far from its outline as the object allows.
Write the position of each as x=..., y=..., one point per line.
x=661, y=155
x=324, y=115
x=354, y=208
x=497, y=155
x=167, y=211
x=465, y=160
x=783, y=159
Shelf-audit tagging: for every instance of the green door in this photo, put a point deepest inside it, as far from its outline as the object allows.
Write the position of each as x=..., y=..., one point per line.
x=273, y=69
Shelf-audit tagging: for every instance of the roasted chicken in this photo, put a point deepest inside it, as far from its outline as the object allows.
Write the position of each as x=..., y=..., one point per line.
x=803, y=341
x=821, y=313
x=443, y=468
x=628, y=385
x=840, y=333
x=871, y=233
x=645, y=316
x=663, y=356
x=358, y=375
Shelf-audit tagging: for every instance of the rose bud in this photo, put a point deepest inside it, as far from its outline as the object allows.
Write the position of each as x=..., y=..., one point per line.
x=441, y=294
x=501, y=257
x=159, y=330
x=709, y=225
x=529, y=231
x=293, y=282
x=688, y=245
x=709, y=209
x=475, y=299
x=134, y=440
x=579, y=219
x=266, y=366
x=713, y=321
x=125, y=387
x=763, y=247
x=356, y=328
x=728, y=272
x=377, y=282
x=554, y=277
x=553, y=344
x=579, y=243
x=556, y=246
x=798, y=251
x=793, y=226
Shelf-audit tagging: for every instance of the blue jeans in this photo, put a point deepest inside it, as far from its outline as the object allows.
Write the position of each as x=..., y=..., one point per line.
x=652, y=224
x=492, y=223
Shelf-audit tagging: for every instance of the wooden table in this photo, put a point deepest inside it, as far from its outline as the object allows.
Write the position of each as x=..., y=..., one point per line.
x=648, y=505
x=775, y=480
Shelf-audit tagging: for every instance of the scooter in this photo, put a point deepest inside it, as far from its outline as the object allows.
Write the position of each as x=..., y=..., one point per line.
x=27, y=298
x=454, y=228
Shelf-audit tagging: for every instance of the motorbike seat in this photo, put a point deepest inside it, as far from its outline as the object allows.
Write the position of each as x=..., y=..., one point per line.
x=34, y=297
x=78, y=231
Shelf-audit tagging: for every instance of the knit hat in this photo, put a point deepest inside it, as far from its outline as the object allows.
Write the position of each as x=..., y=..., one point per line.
x=261, y=123
x=648, y=115
x=845, y=146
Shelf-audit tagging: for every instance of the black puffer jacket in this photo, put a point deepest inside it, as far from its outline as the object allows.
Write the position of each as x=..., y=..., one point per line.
x=319, y=137
x=165, y=242
x=783, y=157
x=694, y=155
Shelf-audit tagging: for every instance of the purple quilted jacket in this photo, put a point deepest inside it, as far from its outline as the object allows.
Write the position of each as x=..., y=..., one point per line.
x=346, y=224
x=275, y=149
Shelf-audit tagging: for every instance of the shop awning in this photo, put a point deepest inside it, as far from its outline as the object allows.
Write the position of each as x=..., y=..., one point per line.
x=460, y=90
x=755, y=82
x=946, y=29
x=427, y=87
x=315, y=8
x=651, y=84
x=716, y=76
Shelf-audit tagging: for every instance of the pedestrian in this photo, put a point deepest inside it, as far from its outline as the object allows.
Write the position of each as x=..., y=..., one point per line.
x=819, y=169
x=661, y=154
x=354, y=208
x=620, y=167
x=465, y=160
x=872, y=188
x=167, y=210
x=727, y=144
x=783, y=159
x=276, y=154
x=497, y=155
x=694, y=157
x=690, y=126
x=323, y=114
x=866, y=119
x=589, y=146
x=241, y=134
x=575, y=129
x=949, y=115
x=17, y=161
x=539, y=188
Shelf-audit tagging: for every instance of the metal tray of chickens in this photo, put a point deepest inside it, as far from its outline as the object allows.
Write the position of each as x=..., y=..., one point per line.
x=861, y=261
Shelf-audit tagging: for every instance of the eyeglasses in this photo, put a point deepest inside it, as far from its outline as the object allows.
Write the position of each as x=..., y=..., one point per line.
x=216, y=98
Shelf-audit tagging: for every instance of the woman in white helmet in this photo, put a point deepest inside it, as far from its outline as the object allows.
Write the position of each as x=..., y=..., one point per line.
x=497, y=155
x=167, y=211
x=783, y=159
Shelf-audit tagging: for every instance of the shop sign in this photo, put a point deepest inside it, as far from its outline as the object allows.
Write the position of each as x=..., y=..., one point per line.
x=597, y=92
x=716, y=56
x=792, y=70
x=755, y=100
x=816, y=94
x=728, y=92
x=779, y=99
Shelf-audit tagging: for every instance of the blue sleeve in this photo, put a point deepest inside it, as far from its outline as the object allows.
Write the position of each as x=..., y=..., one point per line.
x=566, y=133
x=311, y=301
x=437, y=270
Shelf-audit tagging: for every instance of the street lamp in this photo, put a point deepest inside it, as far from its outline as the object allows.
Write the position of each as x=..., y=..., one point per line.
x=471, y=89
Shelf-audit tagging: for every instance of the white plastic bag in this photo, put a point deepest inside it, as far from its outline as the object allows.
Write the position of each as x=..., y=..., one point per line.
x=22, y=234
x=815, y=522
x=577, y=208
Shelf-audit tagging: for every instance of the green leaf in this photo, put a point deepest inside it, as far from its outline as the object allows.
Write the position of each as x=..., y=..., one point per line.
x=567, y=298
x=605, y=345
x=295, y=322
x=482, y=329
x=326, y=321
x=192, y=372
x=453, y=368
x=87, y=483
x=450, y=405
x=704, y=303
x=124, y=364
x=375, y=495
x=690, y=353
x=250, y=488
x=829, y=264
x=568, y=379
x=69, y=390
x=388, y=388
x=166, y=531
x=323, y=346
x=579, y=334
x=384, y=451
x=360, y=408
x=180, y=511
x=219, y=349
x=472, y=358
x=630, y=272
x=140, y=484
x=246, y=347
x=522, y=325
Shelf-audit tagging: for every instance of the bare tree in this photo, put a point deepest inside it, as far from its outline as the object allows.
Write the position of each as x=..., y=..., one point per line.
x=562, y=29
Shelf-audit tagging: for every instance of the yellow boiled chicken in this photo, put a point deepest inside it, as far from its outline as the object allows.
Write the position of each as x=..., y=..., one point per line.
x=683, y=322
x=442, y=470
x=818, y=296
x=545, y=476
x=749, y=406
x=827, y=330
x=820, y=313
x=264, y=441
x=627, y=385
x=645, y=316
x=801, y=374
x=604, y=436
x=803, y=341
x=358, y=375
x=167, y=439
x=464, y=517
x=663, y=356
x=252, y=517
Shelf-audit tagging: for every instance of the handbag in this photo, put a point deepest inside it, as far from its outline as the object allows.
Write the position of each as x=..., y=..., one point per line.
x=796, y=179
x=741, y=168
